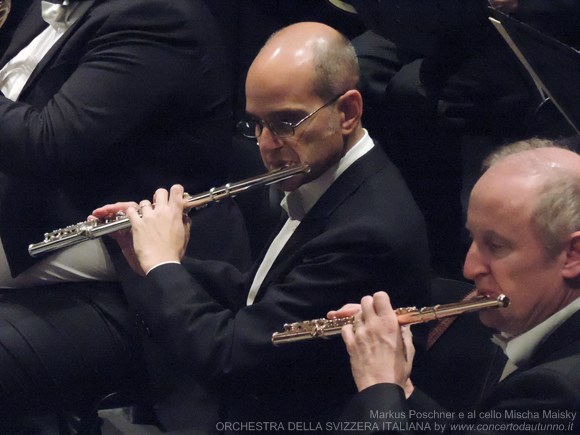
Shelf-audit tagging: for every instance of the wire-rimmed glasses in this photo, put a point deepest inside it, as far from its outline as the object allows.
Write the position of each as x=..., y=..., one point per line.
x=252, y=128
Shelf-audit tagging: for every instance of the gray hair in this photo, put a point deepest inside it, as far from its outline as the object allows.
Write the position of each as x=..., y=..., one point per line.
x=516, y=147
x=336, y=68
x=557, y=211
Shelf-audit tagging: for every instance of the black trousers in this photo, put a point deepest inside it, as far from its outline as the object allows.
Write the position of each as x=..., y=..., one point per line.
x=63, y=346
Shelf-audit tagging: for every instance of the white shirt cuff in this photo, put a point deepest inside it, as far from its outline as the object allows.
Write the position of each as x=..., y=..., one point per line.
x=161, y=264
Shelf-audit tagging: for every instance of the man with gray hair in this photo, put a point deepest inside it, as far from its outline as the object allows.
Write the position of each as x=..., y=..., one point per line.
x=524, y=220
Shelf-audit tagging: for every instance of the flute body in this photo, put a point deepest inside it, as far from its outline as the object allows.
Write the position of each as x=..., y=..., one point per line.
x=324, y=328
x=82, y=231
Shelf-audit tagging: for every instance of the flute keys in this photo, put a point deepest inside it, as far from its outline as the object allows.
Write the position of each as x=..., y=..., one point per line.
x=405, y=310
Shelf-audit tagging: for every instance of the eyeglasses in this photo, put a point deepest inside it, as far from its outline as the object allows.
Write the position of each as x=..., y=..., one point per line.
x=253, y=128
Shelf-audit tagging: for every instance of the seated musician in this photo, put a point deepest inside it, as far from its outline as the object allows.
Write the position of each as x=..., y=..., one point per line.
x=84, y=87
x=524, y=221
x=351, y=227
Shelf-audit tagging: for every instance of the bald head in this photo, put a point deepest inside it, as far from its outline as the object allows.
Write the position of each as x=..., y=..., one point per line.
x=305, y=77
x=308, y=54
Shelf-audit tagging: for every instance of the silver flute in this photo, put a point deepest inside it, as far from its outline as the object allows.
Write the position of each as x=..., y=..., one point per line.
x=91, y=229
x=324, y=328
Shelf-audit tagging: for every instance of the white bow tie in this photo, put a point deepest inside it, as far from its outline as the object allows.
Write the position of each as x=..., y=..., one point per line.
x=56, y=15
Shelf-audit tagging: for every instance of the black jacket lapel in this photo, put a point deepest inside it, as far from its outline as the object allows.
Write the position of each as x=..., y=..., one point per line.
x=314, y=221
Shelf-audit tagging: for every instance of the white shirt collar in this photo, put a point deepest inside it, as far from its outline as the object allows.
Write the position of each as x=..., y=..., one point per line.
x=519, y=349
x=299, y=202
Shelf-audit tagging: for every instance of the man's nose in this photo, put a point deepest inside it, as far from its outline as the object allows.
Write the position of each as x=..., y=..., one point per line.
x=474, y=265
x=268, y=140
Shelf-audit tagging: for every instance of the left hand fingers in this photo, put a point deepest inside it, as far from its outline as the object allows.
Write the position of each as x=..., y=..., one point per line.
x=176, y=197
x=347, y=333
x=367, y=309
x=382, y=304
x=145, y=206
x=160, y=197
x=378, y=318
x=111, y=209
x=172, y=198
x=378, y=306
x=345, y=311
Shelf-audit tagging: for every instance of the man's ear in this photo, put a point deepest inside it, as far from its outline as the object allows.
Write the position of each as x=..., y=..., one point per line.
x=351, y=106
x=571, y=268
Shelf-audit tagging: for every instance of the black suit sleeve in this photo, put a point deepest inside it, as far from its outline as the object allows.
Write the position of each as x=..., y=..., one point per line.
x=371, y=407
x=542, y=400
x=184, y=313
x=128, y=58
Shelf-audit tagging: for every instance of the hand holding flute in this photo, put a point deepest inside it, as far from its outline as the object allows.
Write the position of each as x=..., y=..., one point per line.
x=350, y=313
x=159, y=230
x=109, y=221
x=371, y=335
x=162, y=230
x=380, y=349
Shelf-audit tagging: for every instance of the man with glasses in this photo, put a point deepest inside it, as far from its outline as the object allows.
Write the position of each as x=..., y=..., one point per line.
x=352, y=227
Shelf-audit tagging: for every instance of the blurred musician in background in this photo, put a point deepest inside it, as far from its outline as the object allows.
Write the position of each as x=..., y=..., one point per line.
x=351, y=226
x=524, y=221
x=99, y=100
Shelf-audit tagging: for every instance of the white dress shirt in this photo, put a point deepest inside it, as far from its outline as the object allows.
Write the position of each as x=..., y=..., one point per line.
x=519, y=349
x=299, y=202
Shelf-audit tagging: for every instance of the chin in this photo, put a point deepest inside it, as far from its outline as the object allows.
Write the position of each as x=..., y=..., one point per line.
x=288, y=187
x=292, y=183
x=491, y=319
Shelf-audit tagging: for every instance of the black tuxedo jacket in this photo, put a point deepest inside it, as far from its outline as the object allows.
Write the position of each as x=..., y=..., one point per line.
x=545, y=392
x=364, y=234
x=133, y=97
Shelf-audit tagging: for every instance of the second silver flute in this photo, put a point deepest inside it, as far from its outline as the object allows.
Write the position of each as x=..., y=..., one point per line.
x=92, y=229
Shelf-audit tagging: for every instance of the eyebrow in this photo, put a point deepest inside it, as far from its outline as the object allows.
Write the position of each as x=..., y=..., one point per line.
x=281, y=112
x=487, y=234
x=490, y=234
